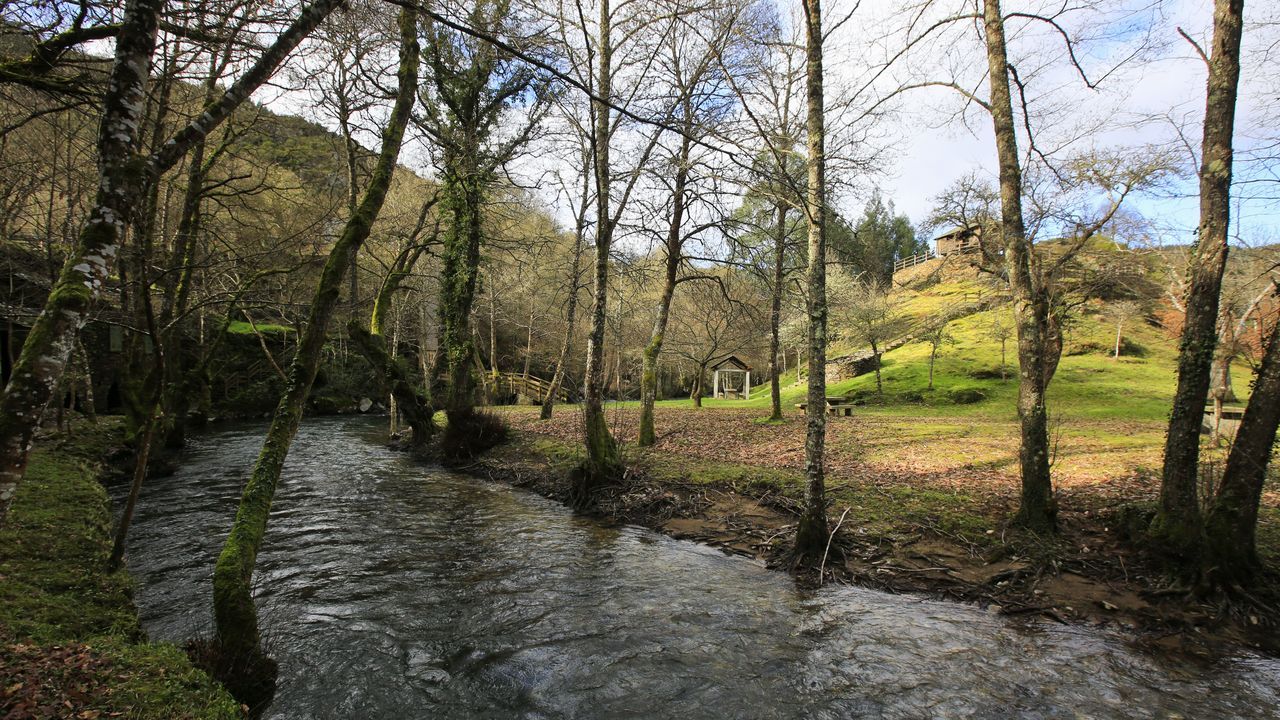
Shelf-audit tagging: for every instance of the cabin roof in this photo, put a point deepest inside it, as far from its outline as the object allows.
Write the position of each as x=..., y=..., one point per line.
x=733, y=362
x=958, y=230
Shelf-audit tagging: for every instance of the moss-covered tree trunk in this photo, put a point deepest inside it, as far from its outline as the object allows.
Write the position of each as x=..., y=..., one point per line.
x=1177, y=523
x=674, y=253
x=1030, y=304
x=1231, y=555
x=812, y=533
x=122, y=176
x=393, y=375
x=120, y=180
x=459, y=273
x=602, y=450
x=179, y=385
x=775, y=310
x=235, y=616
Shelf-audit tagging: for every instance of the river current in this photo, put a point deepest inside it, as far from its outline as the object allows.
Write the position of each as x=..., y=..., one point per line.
x=392, y=589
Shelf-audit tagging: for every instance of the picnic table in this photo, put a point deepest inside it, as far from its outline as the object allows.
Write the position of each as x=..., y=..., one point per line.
x=836, y=406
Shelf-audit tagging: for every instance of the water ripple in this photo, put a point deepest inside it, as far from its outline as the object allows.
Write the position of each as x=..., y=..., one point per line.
x=392, y=590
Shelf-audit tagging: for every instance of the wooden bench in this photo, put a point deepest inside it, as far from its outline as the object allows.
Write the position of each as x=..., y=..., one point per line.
x=836, y=406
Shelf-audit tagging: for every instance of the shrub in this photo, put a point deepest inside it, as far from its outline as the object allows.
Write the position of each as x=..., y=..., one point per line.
x=967, y=396
x=467, y=435
x=989, y=373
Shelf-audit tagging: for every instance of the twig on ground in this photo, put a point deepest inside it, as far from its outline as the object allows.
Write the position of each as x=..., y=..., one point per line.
x=823, y=567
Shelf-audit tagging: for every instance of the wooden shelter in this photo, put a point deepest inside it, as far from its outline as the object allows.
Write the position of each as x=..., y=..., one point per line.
x=731, y=378
x=959, y=240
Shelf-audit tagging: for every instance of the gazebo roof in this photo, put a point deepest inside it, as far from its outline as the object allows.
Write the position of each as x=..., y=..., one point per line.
x=733, y=362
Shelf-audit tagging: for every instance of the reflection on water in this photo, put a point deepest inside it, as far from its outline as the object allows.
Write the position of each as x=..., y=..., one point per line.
x=393, y=590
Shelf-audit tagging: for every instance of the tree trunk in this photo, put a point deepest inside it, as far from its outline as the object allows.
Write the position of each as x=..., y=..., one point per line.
x=602, y=450
x=1231, y=555
x=350, y=157
x=135, y=487
x=1031, y=308
x=674, y=256
x=811, y=533
x=493, y=334
x=460, y=258
x=1177, y=524
x=775, y=312
x=696, y=395
x=1220, y=372
x=528, y=348
x=875, y=355
x=235, y=616
x=933, y=356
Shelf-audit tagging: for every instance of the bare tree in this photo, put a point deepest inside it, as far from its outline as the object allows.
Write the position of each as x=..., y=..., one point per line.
x=867, y=310
x=702, y=100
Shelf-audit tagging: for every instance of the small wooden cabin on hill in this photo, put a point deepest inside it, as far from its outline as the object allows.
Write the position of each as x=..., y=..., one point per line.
x=731, y=378
x=959, y=240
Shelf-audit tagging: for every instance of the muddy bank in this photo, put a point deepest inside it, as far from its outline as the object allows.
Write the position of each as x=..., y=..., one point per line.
x=1089, y=575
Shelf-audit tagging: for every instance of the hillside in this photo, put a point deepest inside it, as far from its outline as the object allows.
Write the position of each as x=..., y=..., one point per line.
x=1108, y=415
x=1089, y=383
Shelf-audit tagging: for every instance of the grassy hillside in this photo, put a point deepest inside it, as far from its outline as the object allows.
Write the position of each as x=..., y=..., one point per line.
x=1089, y=385
x=1107, y=415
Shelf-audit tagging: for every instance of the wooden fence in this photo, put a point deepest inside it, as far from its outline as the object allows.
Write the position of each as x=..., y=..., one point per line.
x=914, y=260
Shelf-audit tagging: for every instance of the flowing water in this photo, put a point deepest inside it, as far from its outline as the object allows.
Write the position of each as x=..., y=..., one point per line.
x=390, y=589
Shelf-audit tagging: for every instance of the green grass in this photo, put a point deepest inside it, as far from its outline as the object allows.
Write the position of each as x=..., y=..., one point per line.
x=1089, y=383
x=65, y=622
x=883, y=511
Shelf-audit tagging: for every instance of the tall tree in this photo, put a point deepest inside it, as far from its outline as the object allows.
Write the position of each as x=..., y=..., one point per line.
x=236, y=617
x=1177, y=523
x=1031, y=309
x=603, y=63
x=573, y=285
x=602, y=449
x=812, y=533
x=701, y=103
x=475, y=86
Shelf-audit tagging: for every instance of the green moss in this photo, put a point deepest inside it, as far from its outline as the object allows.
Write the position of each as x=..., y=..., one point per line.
x=239, y=327
x=56, y=594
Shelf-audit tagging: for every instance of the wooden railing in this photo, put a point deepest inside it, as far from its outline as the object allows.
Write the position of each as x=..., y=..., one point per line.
x=528, y=385
x=912, y=261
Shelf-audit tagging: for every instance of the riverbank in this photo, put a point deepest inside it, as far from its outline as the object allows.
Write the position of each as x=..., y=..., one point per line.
x=942, y=534
x=70, y=643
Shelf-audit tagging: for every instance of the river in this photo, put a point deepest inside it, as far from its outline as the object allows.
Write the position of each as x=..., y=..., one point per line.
x=390, y=589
